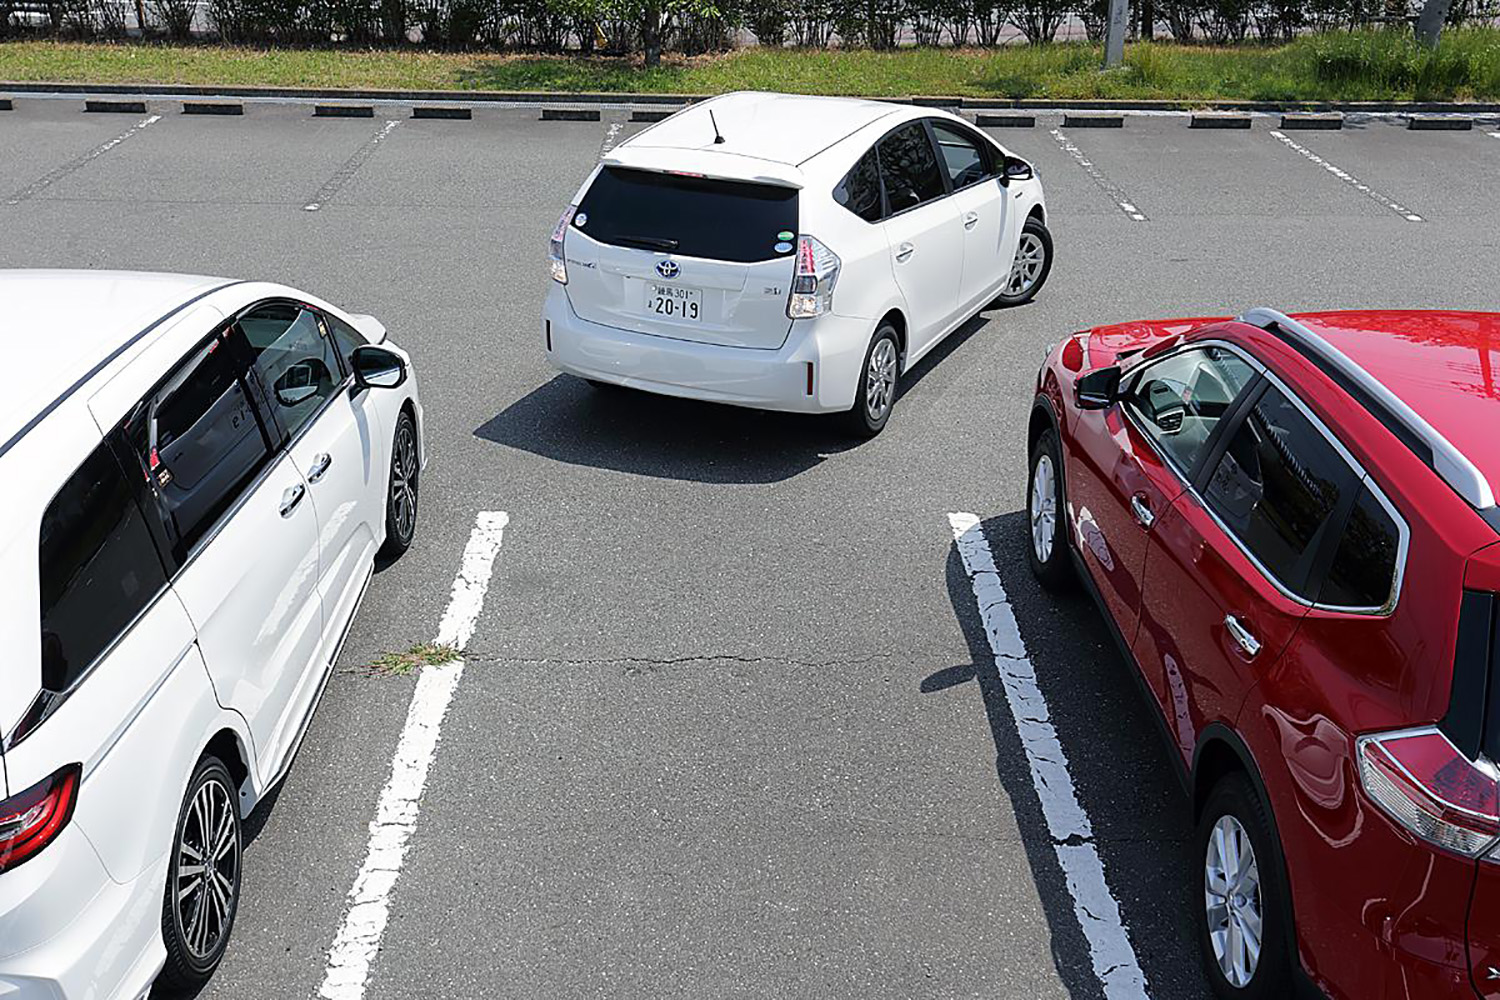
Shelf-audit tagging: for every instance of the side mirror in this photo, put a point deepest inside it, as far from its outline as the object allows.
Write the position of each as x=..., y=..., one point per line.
x=377, y=368
x=300, y=382
x=1016, y=169
x=1098, y=390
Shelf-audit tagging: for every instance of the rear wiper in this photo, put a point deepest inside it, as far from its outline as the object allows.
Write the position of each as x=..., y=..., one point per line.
x=653, y=242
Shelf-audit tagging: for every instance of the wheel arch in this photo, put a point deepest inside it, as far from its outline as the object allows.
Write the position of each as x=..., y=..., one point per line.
x=897, y=319
x=1038, y=212
x=1042, y=418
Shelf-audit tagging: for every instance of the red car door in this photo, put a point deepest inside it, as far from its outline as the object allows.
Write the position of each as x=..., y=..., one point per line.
x=1128, y=463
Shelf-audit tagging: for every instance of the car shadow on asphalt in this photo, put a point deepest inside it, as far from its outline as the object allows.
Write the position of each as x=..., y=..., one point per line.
x=625, y=430
x=1119, y=765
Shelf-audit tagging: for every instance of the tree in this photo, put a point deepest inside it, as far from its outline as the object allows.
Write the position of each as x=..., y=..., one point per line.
x=1430, y=22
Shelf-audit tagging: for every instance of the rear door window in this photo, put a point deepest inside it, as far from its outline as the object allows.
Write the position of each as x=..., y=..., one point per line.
x=692, y=216
x=909, y=168
x=859, y=191
x=1277, y=487
x=99, y=569
x=1363, y=572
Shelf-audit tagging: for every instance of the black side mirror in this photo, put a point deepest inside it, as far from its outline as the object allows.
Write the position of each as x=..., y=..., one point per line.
x=1098, y=390
x=377, y=368
x=1016, y=169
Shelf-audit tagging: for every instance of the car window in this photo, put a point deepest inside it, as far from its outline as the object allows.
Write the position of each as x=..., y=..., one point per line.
x=1363, y=572
x=296, y=360
x=199, y=440
x=1277, y=485
x=859, y=191
x=909, y=168
x=345, y=339
x=963, y=158
x=693, y=216
x=1182, y=398
x=99, y=568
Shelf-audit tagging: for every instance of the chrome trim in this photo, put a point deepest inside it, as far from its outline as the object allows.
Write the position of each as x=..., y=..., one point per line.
x=1452, y=465
x=1362, y=479
x=1482, y=763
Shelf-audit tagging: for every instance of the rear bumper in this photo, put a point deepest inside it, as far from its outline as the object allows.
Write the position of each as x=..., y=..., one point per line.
x=764, y=379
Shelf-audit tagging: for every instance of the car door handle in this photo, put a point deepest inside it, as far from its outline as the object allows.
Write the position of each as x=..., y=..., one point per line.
x=291, y=497
x=1142, y=510
x=904, y=251
x=971, y=219
x=319, y=467
x=1242, y=636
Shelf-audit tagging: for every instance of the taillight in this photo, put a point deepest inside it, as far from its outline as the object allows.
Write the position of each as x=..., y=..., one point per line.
x=812, y=283
x=1424, y=783
x=555, y=247
x=33, y=819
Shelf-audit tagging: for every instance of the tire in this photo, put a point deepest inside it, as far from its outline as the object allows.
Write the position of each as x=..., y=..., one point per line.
x=401, y=496
x=1048, y=551
x=198, y=908
x=1028, y=275
x=879, y=377
x=1234, y=817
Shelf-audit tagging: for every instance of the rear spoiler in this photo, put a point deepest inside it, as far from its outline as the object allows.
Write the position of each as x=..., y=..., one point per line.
x=705, y=163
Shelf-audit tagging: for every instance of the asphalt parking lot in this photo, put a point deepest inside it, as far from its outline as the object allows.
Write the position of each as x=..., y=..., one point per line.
x=730, y=724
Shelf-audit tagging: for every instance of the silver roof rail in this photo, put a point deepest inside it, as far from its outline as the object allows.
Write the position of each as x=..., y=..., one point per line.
x=1447, y=461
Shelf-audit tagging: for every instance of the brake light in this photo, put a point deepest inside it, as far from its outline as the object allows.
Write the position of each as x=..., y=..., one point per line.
x=1424, y=783
x=555, y=258
x=33, y=819
x=812, y=283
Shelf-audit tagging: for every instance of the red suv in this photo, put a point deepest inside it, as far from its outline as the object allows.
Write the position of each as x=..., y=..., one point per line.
x=1290, y=525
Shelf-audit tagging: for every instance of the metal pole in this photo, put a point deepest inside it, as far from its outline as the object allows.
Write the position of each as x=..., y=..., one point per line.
x=1114, y=38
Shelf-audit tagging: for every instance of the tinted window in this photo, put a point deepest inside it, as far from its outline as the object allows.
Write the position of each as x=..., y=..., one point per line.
x=99, y=568
x=198, y=440
x=297, y=361
x=962, y=156
x=1277, y=485
x=345, y=338
x=693, y=216
x=1364, y=566
x=1181, y=399
x=860, y=191
x=909, y=168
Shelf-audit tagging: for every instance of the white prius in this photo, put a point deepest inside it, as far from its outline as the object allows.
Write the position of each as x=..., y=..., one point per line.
x=789, y=253
x=199, y=474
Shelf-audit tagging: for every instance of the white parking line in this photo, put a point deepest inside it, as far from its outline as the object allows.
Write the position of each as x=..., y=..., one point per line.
x=342, y=175
x=1348, y=178
x=1097, y=910
x=395, y=819
x=1108, y=186
x=78, y=162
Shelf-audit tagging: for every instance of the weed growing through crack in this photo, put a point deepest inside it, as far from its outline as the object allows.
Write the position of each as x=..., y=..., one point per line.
x=424, y=654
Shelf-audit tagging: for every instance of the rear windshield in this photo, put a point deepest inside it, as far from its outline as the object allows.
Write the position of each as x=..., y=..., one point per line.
x=692, y=216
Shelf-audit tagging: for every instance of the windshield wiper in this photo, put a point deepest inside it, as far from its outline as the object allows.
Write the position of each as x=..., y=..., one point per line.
x=652, y=242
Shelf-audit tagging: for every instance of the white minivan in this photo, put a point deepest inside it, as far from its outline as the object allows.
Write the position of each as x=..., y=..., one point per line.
x=789, y=253
x=199, y=474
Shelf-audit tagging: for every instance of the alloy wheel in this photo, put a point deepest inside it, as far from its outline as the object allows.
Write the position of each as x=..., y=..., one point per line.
x=208, y=860
x=1231, y=891
x=880, y=379
x=404, y=481
x=1043, y=508
x=1031, y=254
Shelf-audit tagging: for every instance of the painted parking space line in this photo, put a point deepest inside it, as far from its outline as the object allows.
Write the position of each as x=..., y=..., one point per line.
x=369, y=901
x=342, y=174
x=79, y=162
x=1109, y=187
x=1347, y=178
x=1098, y=911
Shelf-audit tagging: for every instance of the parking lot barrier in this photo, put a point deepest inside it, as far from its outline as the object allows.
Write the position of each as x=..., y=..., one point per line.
x=1077, y=120
x=570, y=114
x=116, y=107
x=1313, y=120
x=211, y=108
x=650, y=114
x=433, y=111
x=1219, y=119
x=1440, y=123
x=989, y=120
x=344, y=111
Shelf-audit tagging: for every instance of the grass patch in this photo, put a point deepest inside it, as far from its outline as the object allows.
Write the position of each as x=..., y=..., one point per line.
x=425, y=654
x=1346, y=66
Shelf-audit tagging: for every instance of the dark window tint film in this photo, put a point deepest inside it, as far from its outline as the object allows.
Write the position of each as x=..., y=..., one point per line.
x=692, y=216
x=1364, y=566
x=99, y=568
x=909, y=167
x=1277, y=486
x=860, y=191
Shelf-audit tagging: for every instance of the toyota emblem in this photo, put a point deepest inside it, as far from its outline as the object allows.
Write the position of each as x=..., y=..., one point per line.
x=668, y=268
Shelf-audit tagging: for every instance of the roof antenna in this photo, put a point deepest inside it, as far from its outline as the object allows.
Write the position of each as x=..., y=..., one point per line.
x=718, y=139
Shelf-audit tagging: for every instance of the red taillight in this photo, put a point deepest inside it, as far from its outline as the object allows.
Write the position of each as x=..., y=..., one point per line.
x=33, y=819
x=1424, y=783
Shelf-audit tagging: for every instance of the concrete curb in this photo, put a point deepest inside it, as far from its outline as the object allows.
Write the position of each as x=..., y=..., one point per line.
x=570, y=114
x=1441, y=123
x=6, y=105
x=1072, y=120
x=1005, y=120
x=442, y=111
x=650, y=114
x=1219, y=119
x=1313, y=121
x=209, y=108
x=116, y=107
x=344, y=111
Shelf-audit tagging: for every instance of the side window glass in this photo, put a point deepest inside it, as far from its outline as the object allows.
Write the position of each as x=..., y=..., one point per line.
x=1277, y=486
x=345, y=339
x=1181, y=399
x=909, y=168
x=962, y=158
x=99, y=568
x=296, y=360
x=1363, y=573
x=199, y=441
x=859, y=192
